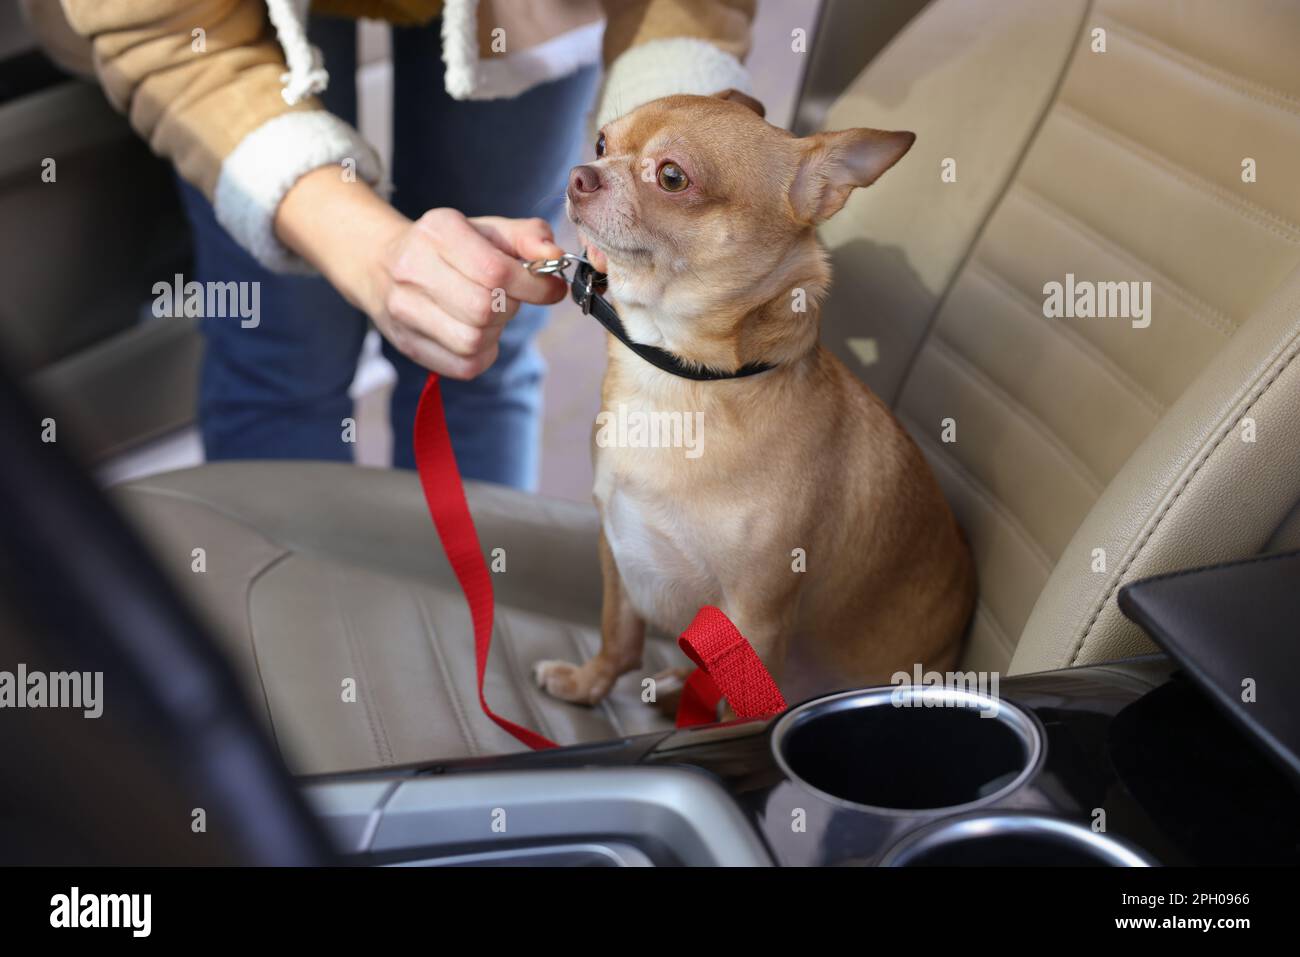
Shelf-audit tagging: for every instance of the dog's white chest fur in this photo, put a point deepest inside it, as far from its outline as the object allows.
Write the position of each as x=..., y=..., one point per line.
x=655, y=547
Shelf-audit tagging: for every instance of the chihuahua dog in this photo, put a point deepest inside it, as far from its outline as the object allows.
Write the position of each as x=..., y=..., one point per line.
x=809, y=517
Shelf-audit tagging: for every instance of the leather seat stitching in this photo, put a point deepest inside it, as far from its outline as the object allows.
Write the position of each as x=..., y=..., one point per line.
x=142, y=487
x=1183, y=484
x=378, y=733
x=440, y=662
x=139, y=488
x=994, y=504
x=1211, y=73
x=145, y=492
x=606, y=705
x=1265, y=219
x=1104, y=362
x=1219, y=566
x=512, y=674
x=983, y=612
x=252, y=637
x=942, y=301
x=1017, y=409
x=1214, y=318
x=483, y=504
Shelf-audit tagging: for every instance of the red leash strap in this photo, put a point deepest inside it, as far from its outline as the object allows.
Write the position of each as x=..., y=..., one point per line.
x=727, y=663
x=445, y=495
x=728, y=668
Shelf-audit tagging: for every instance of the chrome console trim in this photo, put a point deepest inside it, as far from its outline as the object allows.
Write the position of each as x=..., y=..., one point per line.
x=1107, y=849
x=686, y=812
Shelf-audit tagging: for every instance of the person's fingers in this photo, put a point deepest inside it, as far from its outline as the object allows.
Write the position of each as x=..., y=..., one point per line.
x=458, y=296
x=435, y=358
x=416, y=316
x=526, y=239
x=420, y=264
x=479, y=260
x=522, y=238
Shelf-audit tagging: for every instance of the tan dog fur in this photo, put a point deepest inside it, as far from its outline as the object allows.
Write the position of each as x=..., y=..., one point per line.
x=803, y=456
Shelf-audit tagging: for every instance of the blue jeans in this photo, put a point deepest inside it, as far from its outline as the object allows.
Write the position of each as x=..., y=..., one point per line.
x=280, y=390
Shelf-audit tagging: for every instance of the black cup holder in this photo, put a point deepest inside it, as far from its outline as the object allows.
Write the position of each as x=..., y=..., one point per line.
x=1012, y=840
x=908, y=749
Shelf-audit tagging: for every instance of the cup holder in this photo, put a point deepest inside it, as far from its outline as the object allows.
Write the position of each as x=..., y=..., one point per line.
x=908, y=749
x=1012, y=840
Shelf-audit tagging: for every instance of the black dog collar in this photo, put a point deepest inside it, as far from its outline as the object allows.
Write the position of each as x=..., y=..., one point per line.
x=587, y=285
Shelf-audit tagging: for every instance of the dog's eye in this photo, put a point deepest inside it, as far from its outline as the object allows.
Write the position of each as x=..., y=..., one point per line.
x=672, y=178
x=600, y=145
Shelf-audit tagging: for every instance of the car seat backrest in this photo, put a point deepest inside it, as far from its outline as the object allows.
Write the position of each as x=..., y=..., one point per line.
x=1077, y=143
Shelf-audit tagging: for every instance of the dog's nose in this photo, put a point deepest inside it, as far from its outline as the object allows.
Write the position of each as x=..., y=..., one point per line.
x=584, y=179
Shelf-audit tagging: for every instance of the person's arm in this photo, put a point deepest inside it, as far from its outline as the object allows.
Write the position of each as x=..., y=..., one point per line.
x=656, y=48
x=440, y=289
x=201, y=82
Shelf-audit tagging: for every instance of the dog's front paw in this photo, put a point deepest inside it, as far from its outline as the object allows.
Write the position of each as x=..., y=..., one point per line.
x=571, y=683
x=552, y=675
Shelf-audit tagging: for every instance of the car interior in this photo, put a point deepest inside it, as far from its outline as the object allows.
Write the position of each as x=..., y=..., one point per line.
x=1096, y=461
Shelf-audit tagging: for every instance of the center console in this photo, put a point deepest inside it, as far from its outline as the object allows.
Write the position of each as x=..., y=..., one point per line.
x=1111, y=765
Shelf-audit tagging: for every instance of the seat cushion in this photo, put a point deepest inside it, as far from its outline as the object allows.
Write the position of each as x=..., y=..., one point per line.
x=322, y=578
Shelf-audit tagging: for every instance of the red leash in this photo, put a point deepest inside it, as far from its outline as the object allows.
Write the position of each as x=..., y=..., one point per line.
x=728, y=666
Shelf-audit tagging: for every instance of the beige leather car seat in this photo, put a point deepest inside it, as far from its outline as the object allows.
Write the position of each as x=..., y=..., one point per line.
x=1072, y=435
x=1078, y=435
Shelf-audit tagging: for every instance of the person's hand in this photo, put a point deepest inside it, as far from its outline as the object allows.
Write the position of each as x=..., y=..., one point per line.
x=440, y=289
x=448, y=285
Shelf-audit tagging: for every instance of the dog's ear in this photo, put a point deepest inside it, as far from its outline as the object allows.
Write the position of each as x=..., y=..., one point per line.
x=834, y=164
x=744, y=99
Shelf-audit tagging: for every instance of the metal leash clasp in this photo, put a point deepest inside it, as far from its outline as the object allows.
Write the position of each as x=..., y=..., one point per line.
x=557, y=267
x=553, y=267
